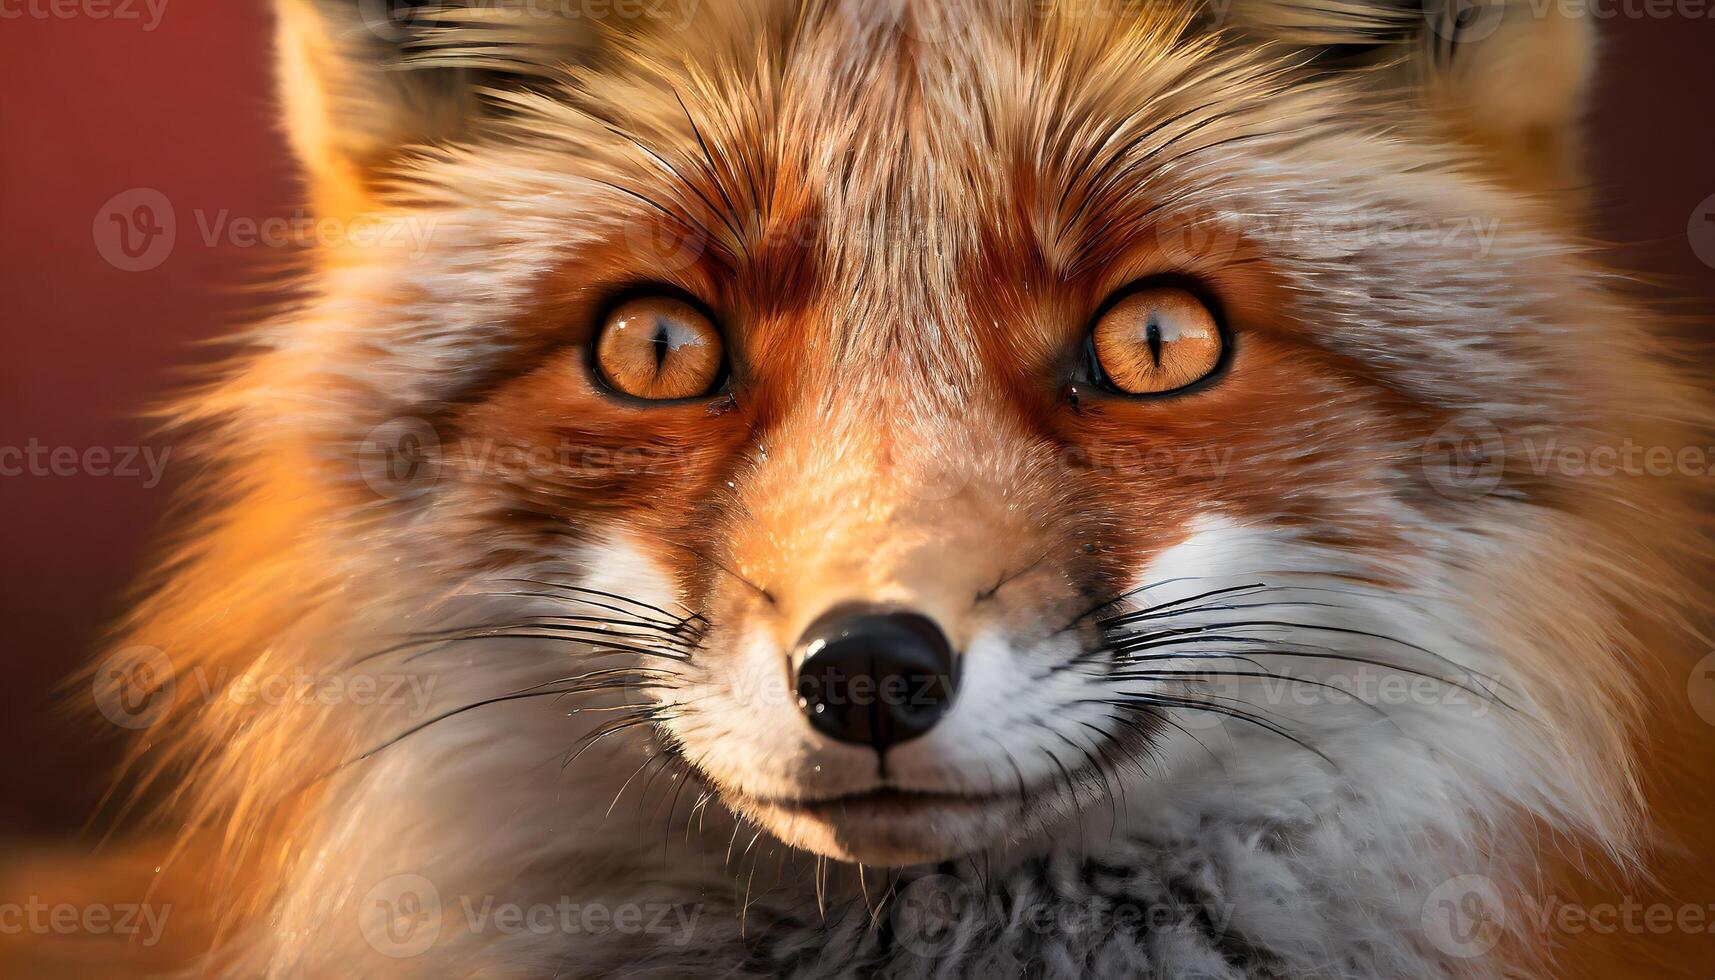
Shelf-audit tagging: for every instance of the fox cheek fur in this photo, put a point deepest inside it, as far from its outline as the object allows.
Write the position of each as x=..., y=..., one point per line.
x=1155, y=636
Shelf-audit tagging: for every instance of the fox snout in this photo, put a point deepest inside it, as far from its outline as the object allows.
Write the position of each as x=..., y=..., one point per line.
x=874, y=676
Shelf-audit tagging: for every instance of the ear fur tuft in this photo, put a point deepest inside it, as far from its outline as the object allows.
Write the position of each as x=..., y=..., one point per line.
x=365, y=80
x=1509, y=78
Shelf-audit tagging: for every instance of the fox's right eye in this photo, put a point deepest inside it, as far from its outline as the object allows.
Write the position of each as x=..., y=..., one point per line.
x=1155, y=341
x=660, y=348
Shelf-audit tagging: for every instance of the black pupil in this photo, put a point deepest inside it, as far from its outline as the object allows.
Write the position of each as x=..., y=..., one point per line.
x=1152, y=333
x=660, y=340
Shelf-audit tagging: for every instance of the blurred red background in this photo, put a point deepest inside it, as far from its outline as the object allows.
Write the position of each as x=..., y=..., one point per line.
x=97, y=107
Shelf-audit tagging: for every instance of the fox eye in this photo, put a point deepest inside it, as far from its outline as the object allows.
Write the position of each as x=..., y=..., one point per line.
x=660, y=348
x=1153, y=341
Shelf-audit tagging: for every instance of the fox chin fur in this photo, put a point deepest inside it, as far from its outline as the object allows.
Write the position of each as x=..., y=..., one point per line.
x=908, y=204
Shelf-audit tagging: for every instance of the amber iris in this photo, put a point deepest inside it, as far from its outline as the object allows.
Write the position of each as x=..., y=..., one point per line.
x=660, y=348
x=1156, y=340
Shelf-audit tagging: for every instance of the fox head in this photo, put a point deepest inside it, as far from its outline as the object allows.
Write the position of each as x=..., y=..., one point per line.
x=925, y=426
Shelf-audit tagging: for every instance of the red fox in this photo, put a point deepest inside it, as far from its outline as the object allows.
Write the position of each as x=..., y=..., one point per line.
x=935, y=488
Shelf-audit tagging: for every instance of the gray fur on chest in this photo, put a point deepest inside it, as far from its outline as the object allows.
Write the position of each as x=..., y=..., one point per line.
x=1231, y=905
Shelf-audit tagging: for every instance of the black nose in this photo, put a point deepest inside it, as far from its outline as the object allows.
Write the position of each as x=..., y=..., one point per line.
x=874, y=676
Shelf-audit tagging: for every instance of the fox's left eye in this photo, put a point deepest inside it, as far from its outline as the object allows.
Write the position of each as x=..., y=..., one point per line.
x=660, y=348
x=1155, y=340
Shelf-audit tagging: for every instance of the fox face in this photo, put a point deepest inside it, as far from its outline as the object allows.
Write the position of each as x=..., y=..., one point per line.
x=937, y=433
x=908, y=452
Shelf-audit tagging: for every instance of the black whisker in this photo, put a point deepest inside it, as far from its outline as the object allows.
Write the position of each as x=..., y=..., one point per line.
x=1127, y=647
x=1146, y=675
x=645, y=717
x=1129, y=593
x=571, y=625
x=675, y=625
x=1146, y=701
x=705, y=557
x=585, y=590
x=534, y=691
x=1176, y=603
x=731, y=213
x=537, y=633
x=1161, y=612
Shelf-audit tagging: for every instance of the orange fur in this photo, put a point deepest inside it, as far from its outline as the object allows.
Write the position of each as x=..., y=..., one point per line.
x=906, y=247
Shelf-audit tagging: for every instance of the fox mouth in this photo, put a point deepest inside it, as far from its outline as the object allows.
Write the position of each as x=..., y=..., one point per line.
x=894, y=826
x=895, y=800
x=888, y=826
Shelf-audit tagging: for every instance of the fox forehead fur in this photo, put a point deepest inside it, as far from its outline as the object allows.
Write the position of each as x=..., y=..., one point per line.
x=1177, y=618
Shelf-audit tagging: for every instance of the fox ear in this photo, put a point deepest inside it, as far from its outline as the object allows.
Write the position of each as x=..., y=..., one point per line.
x=1508, y=78
x=363, y=81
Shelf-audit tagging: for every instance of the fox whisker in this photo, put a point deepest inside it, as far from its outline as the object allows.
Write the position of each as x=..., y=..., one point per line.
x=545, y=633
x=1153, y=700
x=1128, y=646
x=581, y=590
x=575, y=625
